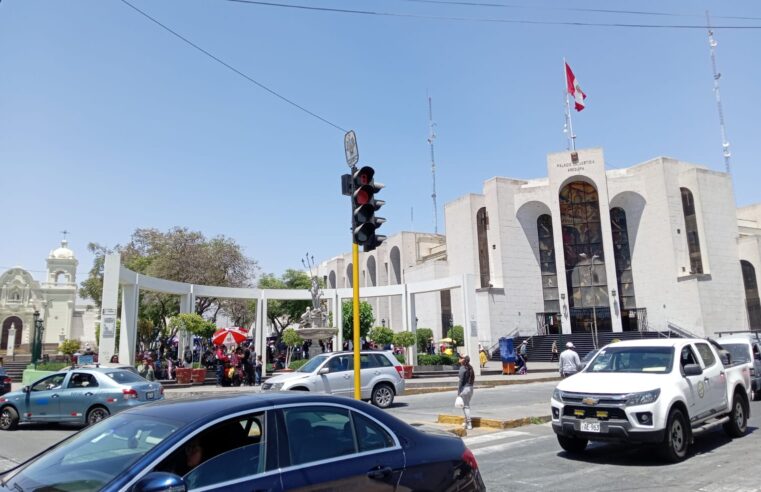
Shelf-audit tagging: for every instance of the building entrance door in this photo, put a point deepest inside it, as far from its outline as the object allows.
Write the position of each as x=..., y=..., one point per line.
x=18, y=324
x=583, y=320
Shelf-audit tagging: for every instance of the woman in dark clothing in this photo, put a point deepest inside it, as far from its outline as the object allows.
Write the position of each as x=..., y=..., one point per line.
x=467, y=377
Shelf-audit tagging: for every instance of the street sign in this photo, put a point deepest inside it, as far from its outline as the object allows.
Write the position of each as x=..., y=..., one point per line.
x=350, y=148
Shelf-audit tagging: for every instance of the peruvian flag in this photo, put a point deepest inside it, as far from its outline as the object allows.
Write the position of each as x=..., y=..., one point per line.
x=574, y=88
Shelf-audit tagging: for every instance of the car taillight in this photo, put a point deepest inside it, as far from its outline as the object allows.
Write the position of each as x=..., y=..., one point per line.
x=3, y=400
x=129, y=393
x=469, y=458
x=400, y=370
x=7, y=381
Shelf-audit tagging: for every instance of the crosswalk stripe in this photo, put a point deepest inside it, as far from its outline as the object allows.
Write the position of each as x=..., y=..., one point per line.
x=493, y=437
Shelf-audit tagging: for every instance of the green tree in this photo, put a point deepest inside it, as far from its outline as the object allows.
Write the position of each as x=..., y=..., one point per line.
x=192, y=323
x=423, y=337
x=404, y=339
x=366, y=319
x=69, y=347
x=283, y=313
x=457, y=333
x=291, y=339
x=381, y=335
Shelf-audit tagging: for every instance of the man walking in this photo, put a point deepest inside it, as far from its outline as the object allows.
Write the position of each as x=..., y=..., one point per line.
x=570, y=363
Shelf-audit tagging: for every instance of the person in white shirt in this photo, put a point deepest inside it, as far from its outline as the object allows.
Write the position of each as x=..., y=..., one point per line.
x=569, y=363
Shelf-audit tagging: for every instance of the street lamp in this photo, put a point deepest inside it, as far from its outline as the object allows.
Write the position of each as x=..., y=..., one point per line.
x=383, y=322
x=39, y=328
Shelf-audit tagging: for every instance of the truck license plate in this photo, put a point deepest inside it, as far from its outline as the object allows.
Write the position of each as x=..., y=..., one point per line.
x=590, y=426
x=149, y=396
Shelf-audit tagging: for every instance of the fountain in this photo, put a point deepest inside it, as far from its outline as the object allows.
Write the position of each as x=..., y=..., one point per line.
x=313, y=323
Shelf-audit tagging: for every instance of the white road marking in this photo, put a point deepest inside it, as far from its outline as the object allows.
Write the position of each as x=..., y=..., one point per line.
x=492, y=437
x=505, y=446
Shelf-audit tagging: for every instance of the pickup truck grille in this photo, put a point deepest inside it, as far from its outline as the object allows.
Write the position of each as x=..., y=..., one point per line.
x=601, y=399
x=583, y=412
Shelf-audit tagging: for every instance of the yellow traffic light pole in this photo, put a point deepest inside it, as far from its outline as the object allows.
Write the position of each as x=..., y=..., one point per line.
x=355, y=327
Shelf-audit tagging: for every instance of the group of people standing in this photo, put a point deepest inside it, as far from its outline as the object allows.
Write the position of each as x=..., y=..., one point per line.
x=242, y=366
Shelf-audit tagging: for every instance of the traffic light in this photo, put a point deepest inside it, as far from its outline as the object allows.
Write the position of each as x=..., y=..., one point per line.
x=364, y=206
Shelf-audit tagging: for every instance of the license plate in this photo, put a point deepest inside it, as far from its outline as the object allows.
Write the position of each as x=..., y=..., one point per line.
x=149, y=395
x=590, y=427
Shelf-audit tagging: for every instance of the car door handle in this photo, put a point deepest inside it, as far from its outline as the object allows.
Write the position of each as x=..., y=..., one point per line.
x=380, y=472
x=89, y=393
x=54, y=396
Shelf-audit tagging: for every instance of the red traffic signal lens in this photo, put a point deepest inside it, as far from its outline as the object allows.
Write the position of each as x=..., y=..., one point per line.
x=361, y=197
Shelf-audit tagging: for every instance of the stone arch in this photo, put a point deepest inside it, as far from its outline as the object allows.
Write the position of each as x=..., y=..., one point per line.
x=18, y=324
x=332, y=279
x=396, y=265
x=634, y=206
x=372, y=274
x=61, y=274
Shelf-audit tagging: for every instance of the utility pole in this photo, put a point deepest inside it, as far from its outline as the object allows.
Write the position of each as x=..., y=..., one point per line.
x=431, y=138
x=716, y=76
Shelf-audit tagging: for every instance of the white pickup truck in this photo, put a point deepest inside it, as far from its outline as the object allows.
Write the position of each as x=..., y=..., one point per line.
x=651, y=391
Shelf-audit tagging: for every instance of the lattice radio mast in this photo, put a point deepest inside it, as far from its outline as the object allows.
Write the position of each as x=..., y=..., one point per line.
x=716, y=76
x=431, y=138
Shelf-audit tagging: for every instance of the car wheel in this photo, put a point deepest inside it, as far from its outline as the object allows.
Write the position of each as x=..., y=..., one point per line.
x=8, y=419
x=572, y=444
x=677, y=441
x=96, y=414
x=382, y=396
x=738, y=418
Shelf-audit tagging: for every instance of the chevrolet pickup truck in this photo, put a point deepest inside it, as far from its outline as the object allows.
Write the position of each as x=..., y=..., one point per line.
x=663, y=391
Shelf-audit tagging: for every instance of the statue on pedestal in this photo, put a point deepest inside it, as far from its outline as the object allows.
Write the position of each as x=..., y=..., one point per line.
x=313, y=323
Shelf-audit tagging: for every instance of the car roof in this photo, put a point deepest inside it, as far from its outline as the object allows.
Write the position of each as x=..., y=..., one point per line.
x=669, y=342
x=187, y=410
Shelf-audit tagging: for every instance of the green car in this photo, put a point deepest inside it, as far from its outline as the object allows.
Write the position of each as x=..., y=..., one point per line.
x=77, y=396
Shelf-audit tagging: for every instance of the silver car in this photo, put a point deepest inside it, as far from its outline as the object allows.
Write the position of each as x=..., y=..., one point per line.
x=333, y=373
x=77, y=396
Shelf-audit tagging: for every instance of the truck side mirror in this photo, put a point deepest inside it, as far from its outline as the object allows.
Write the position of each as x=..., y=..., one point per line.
x=692, y=370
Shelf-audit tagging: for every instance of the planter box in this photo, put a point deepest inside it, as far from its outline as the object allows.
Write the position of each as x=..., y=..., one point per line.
x=184, y=375
x=407, y=372
x=436, y=368
x=198, y=376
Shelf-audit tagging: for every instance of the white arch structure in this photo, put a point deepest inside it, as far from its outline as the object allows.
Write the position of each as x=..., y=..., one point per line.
x=115, y=275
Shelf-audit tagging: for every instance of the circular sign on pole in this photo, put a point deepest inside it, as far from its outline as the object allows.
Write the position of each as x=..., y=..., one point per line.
x=350, y=148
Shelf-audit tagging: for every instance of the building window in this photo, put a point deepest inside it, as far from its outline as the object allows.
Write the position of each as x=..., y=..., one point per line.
x=622, y=252
x=547, y=264
x=691, y=229
x=584, y=259
x=482, y=225
x=752, y=302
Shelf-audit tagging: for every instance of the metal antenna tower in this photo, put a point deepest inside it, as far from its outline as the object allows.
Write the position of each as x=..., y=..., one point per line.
x=716, y=76
x=431, y=138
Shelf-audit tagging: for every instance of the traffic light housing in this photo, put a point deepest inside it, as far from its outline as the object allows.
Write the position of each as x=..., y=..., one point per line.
x=364, y=205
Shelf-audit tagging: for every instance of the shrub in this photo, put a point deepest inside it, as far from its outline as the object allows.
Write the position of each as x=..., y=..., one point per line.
x=381, y=335
x=404, y=339
x=436, y=360
x=69, y=347
x=296, y=364
x=51, y=366
x=400, y=358
x=423, y=335
x=457, y=333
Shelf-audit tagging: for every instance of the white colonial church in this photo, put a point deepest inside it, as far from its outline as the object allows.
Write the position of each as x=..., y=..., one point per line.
x=55, y=299
x=659, y=245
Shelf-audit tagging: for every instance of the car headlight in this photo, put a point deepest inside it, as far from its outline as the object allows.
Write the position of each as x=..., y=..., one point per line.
x=643, y=398
x=276, y=386
x=557, y=395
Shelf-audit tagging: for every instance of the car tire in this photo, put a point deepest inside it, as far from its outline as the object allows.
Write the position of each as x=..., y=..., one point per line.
x=96, y=414
x=8, y=419
x=382, y=395
x=676, y=442
x=573, y=445
x=738, y=417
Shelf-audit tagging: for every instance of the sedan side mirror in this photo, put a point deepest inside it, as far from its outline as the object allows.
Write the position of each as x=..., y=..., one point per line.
x=324, y=370
x=160, y=482
x=692, y=370
x=25, y=389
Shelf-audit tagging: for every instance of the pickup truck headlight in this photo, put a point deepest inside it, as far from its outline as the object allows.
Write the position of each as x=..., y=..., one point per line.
x=557, y=395
x=643, y=398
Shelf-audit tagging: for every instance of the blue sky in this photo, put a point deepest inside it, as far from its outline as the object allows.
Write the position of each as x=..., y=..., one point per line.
x=109, y=123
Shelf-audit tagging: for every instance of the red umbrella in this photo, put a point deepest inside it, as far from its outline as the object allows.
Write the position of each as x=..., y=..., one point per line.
x=229, y=335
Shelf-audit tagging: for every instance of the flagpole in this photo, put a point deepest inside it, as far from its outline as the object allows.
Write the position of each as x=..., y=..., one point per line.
x=569, y=122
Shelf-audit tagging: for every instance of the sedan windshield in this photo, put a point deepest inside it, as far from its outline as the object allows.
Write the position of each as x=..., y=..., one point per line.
x=657, y=360
x=94, y=457
x=313, y=364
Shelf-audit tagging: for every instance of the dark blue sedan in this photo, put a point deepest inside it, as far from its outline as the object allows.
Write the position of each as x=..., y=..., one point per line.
x=279, y=441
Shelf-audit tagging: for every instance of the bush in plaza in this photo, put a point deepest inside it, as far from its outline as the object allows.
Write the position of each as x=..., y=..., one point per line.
x=291, y=339
x=296, y=364
x=381, y=335
x=436, y=360
x=404, y=339
x=423, y=336
x=457, y=333
x=69, y=347
x=400, y=358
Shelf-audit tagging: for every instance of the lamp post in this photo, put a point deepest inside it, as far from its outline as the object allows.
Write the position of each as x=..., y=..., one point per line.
x=596, y=300
x=39, y=328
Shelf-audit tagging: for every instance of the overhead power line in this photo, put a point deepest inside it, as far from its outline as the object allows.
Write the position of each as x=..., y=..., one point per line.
x=484, y=19
x=233, y=69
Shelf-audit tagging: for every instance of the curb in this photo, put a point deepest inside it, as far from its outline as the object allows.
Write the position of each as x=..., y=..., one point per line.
x=493, y=423
x=483, y=384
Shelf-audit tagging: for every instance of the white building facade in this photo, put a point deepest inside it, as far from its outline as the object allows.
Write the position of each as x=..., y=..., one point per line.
x=654, y=246
x=55, y=299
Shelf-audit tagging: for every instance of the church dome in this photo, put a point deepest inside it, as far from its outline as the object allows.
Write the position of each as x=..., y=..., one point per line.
x=63, y=253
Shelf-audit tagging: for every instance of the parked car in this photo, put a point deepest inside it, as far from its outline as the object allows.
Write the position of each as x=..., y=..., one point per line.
x=380, y=372
x=77, y=396
x=110, y=365
x=244, y=442
x=5, y=382
x=663, y=392
x=747, y=350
